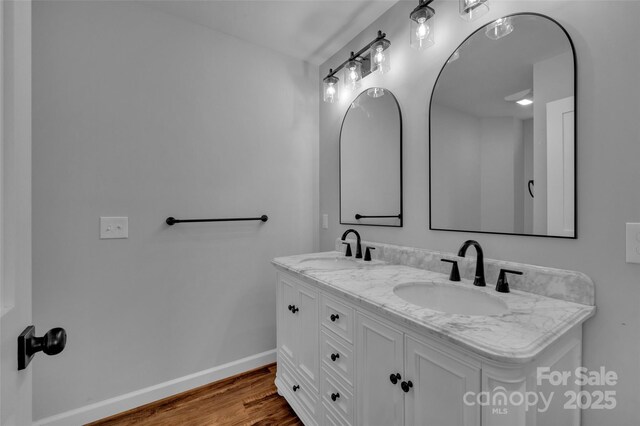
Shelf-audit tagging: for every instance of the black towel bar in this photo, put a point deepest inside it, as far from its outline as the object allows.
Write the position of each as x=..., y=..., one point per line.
x=172, y=220
x=359, y=216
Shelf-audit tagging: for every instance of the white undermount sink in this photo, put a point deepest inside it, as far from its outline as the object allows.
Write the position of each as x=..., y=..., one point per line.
x=450, y=298
x=331, y=263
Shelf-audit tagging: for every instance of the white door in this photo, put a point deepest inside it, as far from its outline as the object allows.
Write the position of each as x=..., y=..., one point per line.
x=440, y=383
x=15, y=207
x=561, y=167
x=379, y=355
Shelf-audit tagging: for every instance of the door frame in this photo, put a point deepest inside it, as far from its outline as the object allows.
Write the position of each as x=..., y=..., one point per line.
x=15, y=205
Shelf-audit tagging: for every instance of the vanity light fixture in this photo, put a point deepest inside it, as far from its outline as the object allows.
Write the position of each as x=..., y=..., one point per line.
x=371, y=58
x=352, y=73
x=380, y=57
x=470, y=10
x=499, y=28
x=330, y=85
x=421, y=32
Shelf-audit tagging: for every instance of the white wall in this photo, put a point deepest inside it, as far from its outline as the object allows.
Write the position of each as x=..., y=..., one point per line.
x=140, y=114
x=500, y=138
x=459, y=188
x=608, y=149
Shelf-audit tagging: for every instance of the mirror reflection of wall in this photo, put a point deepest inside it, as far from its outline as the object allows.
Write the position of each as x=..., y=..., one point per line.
x=502, y=133
x=371, y=160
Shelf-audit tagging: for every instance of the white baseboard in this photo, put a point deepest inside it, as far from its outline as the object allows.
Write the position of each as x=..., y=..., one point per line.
x=118, y=404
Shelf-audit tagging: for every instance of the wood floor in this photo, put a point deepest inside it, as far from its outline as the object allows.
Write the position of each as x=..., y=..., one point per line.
x=246, y=399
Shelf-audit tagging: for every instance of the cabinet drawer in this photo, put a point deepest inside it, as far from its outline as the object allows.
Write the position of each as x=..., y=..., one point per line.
x=337, y=317
x=343, y=403
x=330, y=418
x=337, y=357
x=303, y=395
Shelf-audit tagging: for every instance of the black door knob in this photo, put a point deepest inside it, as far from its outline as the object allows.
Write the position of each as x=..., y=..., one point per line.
x=335, y=396
x=296, y=387
x=335, y=356
x=52, y=343
x=394, y=378
x=334, y=317
x=406, y=385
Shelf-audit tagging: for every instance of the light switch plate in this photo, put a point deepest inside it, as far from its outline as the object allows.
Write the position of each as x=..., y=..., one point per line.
x=114, y=227
x=633, y=242
x=325, y=221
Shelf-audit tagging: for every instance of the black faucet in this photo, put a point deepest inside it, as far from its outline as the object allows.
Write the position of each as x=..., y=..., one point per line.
x=358, y=246
x=479, y=279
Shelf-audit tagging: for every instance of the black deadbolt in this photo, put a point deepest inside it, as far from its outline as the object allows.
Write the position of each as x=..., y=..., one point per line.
x=52, y=343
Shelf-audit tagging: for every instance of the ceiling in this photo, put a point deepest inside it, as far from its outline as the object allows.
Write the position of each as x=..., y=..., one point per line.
x=311, y=30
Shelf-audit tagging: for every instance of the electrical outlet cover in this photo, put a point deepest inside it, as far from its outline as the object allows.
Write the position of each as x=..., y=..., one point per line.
x=114, y=227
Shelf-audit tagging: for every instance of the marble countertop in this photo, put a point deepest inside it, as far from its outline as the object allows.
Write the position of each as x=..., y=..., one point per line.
x=531, y=324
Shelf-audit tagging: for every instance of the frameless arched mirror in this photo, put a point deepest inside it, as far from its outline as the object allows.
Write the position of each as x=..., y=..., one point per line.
x=502, y=132
x=371, y=160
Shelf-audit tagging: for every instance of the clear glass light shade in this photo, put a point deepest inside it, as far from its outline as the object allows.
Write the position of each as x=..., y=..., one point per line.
x=422, y=28
x=500, y=28
x=376, y=92
x=380, y=57
x=330, y=89
x=471, y=10
x=352, y=75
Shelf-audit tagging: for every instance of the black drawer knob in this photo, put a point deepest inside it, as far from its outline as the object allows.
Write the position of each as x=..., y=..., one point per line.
x=394, y=378
x=334, y=317
x=296, y=387
x=335, y=396
x=335, y=356
x=290, y=307
x=406, y=385
x=294, y=309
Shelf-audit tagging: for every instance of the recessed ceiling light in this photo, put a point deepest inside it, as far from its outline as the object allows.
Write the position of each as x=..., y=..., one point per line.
x=524, y=102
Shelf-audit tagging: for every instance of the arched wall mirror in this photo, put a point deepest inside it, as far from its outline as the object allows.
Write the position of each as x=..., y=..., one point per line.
x=371, y=160
x=502, y=132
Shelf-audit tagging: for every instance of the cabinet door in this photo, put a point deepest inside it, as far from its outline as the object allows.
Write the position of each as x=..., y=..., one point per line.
x=439, y=384
x=378, y=355
x=307, y=336
x=287, y=295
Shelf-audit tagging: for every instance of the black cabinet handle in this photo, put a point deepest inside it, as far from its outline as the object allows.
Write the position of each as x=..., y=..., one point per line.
x=296, y=387
x=335, y=356
x=334, y=317
x=394, y=378
x=406, y=386
x=335, y=396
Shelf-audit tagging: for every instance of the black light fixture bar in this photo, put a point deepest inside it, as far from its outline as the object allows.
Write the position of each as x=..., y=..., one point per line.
x=172, y=220
x=358, y=54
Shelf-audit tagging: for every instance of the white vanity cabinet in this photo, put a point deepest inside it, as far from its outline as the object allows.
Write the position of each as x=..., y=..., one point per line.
x=336, y=360
x=298, y=349
x=429, y=383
